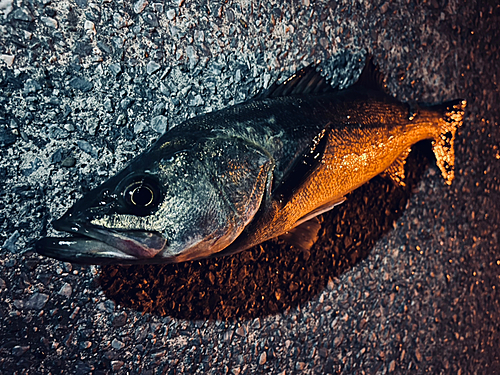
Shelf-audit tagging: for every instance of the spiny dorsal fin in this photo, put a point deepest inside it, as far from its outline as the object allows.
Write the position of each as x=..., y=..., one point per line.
x=307, y=81
x=370, y=77
x=396, y=171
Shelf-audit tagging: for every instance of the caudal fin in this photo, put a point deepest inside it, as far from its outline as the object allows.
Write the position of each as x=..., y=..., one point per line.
x=443, y=146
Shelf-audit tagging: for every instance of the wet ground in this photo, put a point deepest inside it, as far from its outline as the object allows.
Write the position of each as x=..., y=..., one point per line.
x=402, y=280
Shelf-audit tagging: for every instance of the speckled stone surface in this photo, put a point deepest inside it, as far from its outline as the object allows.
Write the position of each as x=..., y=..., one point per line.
x=401, y=280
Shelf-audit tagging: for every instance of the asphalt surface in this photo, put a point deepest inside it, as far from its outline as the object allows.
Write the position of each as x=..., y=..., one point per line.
x=402, y=280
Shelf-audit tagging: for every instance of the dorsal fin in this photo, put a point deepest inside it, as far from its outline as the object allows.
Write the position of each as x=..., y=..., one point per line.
x=370, y=77
x=307, y=81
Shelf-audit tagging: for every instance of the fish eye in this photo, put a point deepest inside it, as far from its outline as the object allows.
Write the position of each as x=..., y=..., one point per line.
x=142, y=195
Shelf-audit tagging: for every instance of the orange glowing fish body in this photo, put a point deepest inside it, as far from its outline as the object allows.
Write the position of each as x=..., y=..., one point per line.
x=225, y=181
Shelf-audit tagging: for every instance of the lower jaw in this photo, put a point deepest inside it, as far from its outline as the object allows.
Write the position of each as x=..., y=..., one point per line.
x=82, y=250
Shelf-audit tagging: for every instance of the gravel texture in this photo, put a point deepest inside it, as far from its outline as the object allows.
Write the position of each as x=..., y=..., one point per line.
x=401, y=280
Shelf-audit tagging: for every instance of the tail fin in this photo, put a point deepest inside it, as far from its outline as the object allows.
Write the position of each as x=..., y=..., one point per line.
x=443, y=147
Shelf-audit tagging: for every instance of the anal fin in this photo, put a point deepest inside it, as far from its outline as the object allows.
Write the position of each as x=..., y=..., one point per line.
x=396, y=171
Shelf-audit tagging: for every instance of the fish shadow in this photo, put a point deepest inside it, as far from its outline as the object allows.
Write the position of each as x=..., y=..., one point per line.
x=272, y=277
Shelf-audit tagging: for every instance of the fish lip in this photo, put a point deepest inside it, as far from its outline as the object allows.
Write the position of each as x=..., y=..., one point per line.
x=91, y=244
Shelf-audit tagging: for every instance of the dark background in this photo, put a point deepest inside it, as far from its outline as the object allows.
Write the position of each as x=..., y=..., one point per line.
x=402, y=280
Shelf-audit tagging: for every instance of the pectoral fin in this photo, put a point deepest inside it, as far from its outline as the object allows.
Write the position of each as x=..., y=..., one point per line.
x=320, y=210
x=302, y=168
x=305, y=232
x=303, y=236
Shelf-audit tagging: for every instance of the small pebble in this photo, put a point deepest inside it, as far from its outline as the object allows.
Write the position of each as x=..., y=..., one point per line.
x=49, y=22
x=196, y=101
x=115, y=68
x=108, y=105
x=89, y=26
x=118, y=21
x=6, y=7
x=75, y=312
x=158, y=7
x=152, y=67
x=22, y=14
x=10, y=243
x=7, y=138
x=163, y=89
x=118, y=42
x=121, y=120
x=19, y=350
x=85, y=344
x=139, y=127
x=120, y=320
x=31, y=86
x=86, y=147
x=81, y=84
x=7, y=59
x=126, y=103
x=300, y=366
x=117, y=365
x=69, y=162
x=159, y=109
x=171, y=14
x=65, y=290
x=116, y=344
x=159, y=124
x=263, y=358
x=37, y=301
x=140, y=5
x=240, y=331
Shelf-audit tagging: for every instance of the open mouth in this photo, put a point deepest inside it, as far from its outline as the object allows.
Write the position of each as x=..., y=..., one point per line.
x=95, y=245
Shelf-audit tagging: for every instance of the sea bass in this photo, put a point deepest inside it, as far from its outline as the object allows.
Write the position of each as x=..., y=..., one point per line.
x=225, y=181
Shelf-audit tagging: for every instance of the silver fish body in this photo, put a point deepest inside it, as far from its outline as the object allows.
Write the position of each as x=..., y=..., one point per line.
x=225, y=181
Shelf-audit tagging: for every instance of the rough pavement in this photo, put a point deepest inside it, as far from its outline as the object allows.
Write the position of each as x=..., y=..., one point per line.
x=401, y=281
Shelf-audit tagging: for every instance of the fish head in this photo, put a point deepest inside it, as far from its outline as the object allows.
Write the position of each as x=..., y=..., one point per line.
x=170, y=204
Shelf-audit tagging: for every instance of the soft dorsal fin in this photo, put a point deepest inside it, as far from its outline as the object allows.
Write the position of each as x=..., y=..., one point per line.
x=302, y=168
x=370, y=77
x=307, y=81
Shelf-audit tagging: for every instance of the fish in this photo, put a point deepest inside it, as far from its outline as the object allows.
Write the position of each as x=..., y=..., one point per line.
x=225, y=181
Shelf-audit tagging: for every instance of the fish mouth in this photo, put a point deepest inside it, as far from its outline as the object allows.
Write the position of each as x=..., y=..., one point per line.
x=90, y=244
